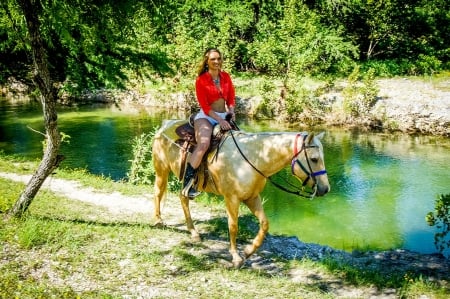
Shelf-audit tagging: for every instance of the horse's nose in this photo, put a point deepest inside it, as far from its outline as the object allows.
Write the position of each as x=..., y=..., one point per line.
x=322, y=190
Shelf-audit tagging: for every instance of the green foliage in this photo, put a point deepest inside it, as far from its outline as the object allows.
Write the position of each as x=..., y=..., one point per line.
x=388, y=67
x=268, y=105
x=299, y=44
x=64, y=138
x=91, y=45
x=298, y=102
x=427, y=65
x=10, y=193
x=393, y=30
x=361, y=93
x=142, y=170
x=208, y=23
x=115, y=44
x=440, y=218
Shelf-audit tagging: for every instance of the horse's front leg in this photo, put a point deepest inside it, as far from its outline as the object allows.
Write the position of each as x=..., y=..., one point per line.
x=233, y=214
x=255, y=205
x=187, y=215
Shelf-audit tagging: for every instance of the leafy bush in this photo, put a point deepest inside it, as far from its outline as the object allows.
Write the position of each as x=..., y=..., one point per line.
x=440, y=218
x=387, y=68
x=268, y=106
x=299, y=44
x=142, y=170
x=299, y=102
x=361, y=93
x=427, y=65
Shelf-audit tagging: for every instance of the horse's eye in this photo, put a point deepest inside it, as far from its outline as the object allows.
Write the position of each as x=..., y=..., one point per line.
x=315, y=160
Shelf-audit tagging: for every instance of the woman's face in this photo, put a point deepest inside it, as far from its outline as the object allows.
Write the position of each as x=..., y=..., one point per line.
x=214, y=61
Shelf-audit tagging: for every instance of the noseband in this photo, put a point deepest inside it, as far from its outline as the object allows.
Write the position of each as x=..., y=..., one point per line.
x=308, y=171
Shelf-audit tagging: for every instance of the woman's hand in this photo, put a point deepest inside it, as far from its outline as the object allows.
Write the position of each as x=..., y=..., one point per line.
x=224, y=125
x=231, y=111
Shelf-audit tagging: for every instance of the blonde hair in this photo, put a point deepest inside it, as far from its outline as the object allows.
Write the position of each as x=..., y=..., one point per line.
x=203, y=65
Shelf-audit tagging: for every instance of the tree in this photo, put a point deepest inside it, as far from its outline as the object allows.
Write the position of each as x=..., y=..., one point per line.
x=298, y=44
x=48, y=97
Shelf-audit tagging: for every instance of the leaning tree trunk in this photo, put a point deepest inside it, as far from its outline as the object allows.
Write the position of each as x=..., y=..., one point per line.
x=42, y=79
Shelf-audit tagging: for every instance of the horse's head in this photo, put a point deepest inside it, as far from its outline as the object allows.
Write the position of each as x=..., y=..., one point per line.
x=308, y=164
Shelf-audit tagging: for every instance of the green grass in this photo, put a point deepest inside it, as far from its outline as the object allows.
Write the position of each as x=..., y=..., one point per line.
x=62, y=248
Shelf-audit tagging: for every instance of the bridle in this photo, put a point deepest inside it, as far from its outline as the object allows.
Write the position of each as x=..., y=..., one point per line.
x=308, y=171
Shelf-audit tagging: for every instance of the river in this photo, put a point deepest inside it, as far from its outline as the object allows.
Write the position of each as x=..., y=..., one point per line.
x=383, y=185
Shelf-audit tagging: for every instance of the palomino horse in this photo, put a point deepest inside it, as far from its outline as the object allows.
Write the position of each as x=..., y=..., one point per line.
x=238, y=171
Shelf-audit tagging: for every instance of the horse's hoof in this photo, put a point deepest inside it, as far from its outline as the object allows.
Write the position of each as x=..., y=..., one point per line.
x=249, y=250
x=196, y=238
x=159, y=224
x=238, y=264
x=237, y=261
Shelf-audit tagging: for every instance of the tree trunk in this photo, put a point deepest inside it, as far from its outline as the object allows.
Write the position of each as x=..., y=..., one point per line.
x=42, y=79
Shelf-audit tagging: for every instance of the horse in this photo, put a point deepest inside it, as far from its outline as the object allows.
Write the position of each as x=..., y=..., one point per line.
x=238, y=170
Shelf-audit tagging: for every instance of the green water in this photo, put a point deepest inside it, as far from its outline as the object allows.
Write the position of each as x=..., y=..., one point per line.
x=382, y=185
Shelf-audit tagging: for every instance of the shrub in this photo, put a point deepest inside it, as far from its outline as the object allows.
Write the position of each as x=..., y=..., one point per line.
x=427, y=65
x=440, y=218
x=361, y=93
x=142, y=170
x=268, y=105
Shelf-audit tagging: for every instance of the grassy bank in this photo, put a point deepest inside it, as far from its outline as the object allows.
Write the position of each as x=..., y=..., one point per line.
x=65, y=248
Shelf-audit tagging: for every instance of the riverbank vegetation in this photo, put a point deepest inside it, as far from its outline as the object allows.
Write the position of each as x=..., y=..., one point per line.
x=294, y=61
x=130, y=44
x=68, y=248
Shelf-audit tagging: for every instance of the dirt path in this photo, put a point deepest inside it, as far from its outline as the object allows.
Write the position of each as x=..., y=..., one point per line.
x=116, y=203
x=434, y=267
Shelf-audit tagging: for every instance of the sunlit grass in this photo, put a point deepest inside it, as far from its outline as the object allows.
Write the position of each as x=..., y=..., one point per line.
x=64, y=248
x=53, y=255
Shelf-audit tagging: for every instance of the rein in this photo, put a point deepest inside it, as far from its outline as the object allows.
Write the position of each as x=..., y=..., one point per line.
x=302, y=192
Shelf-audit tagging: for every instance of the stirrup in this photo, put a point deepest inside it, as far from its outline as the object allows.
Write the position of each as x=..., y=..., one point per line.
x=193, y=193
x=189, y=190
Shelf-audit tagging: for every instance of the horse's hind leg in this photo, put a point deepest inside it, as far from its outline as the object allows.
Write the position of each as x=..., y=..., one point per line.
x=162, y=171
x=160, y=190
x=255, y=205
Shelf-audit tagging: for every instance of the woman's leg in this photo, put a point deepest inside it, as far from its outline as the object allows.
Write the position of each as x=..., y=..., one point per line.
x=203, y=131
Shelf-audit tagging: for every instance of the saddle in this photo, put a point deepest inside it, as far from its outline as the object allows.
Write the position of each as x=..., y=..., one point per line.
x=186, y=140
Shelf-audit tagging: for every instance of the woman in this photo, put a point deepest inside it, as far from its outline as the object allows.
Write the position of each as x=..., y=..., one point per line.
x=216, y=97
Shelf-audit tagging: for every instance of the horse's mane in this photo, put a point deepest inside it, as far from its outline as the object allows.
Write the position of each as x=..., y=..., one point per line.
x=266, y=133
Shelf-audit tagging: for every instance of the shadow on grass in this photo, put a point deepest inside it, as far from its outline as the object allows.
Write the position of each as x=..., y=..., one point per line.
x=383, y=269
x=390, y=268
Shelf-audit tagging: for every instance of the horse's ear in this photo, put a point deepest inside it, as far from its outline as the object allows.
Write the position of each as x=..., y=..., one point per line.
x=320, y=135
x=309, y=138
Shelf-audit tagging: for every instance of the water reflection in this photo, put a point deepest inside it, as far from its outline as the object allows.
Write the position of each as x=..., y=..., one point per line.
x=382, y=184
x=382, y=188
